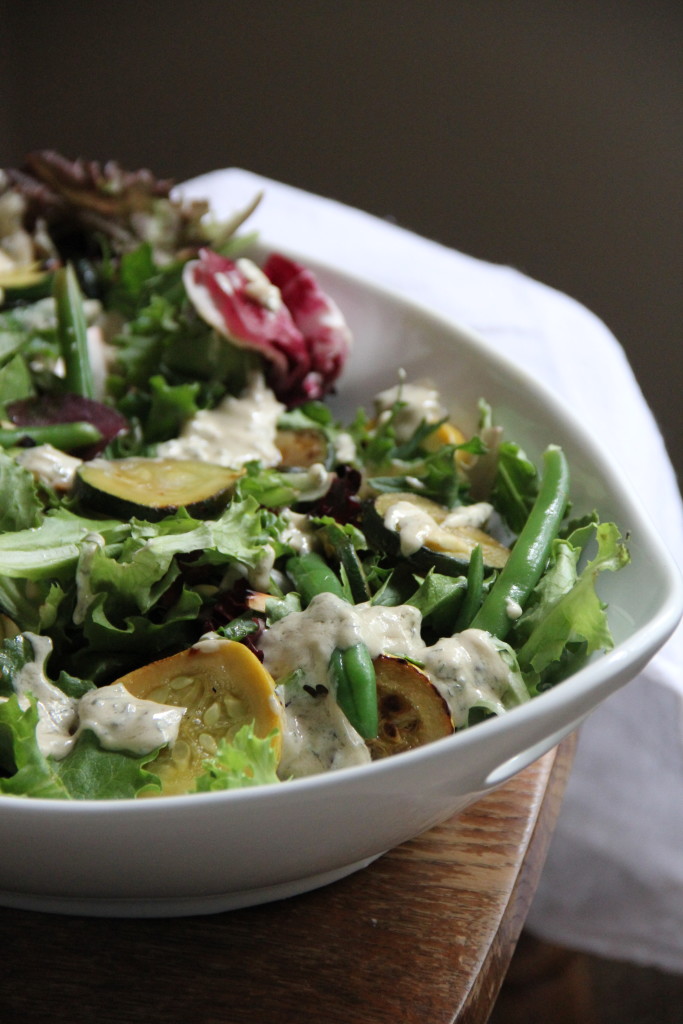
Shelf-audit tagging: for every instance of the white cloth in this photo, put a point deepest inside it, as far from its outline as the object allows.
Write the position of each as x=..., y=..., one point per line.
x=613, y=881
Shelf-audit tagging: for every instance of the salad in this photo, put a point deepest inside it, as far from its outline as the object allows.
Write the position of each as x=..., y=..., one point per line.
x=206, y=580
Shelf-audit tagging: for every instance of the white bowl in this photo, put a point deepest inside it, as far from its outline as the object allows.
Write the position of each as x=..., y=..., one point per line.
x=218, y=851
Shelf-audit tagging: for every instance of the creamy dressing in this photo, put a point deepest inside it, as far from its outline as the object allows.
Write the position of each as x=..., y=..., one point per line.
x=124, y=722
x=119, y=720
x=50, y=466
x=477, y=515
x=422, y=403
x=91, y=544
x=513, y=609
x=258, y=287
x=391, y=630
x=258, y=575
x=57, y=714
x=238, y=430
x=318, y=737
x=305, y=640
x=100, y=357
x=468, y=669
x=298, y=532
x=345, y=448
x=416, y=527
x=312, y=482
x=412, y=524
x=209, y=643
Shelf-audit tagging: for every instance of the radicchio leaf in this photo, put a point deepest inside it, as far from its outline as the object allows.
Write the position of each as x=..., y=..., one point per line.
x=326, y=333
x=281, y=313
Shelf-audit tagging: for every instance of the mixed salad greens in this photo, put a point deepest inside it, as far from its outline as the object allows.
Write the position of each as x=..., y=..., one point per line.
x=206, y=580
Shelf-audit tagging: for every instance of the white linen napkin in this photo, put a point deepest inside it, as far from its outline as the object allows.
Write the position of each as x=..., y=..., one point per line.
x=613, y=881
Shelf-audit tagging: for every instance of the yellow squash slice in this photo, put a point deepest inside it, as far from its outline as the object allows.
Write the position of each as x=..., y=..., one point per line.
x=224, y=686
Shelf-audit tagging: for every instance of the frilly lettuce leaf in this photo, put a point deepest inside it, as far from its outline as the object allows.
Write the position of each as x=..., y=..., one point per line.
x=238, y=535
x=566, y=621
x=244, y=761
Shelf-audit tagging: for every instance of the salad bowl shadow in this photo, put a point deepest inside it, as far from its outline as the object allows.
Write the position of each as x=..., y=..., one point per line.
x=212, y=852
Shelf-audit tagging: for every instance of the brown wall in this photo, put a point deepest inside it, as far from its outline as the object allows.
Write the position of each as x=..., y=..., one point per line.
x=548, y=135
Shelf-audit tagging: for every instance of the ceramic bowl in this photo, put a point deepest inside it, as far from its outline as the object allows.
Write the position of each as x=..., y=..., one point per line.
x=213, y=852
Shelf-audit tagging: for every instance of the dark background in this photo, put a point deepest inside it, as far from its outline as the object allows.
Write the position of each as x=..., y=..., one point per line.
x=544, y=135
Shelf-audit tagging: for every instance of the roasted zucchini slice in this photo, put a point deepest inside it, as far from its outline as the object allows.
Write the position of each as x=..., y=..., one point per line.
x=427, y=534
x=302, y=447
x=412, y=712
x=153, y=488
x=224, y=686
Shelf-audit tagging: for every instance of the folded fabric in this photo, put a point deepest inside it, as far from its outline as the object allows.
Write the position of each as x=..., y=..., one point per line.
x=613, y=881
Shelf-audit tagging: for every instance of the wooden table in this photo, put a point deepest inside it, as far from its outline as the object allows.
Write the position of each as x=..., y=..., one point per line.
x=422, y=936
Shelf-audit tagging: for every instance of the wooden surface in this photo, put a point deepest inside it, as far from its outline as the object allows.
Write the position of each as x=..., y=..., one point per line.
x=422, y=936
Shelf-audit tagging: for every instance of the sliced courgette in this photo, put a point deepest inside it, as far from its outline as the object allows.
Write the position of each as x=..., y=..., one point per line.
x=302, y=447
x=445, y=548
x=412, y=712
x=25, y=284
x=224, y=686
x=153, y=488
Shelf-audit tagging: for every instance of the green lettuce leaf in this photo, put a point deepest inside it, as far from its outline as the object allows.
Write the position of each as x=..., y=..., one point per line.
x=170, y=406
x=113, y=648
x=90, y=772
x=433, y=476
x=408, y=466
x=15, y=652
x=136, y=572
x=15, y=382
x=245, y=761
x=271, y=488
x=21, y=508
x=515, y=486
x=567, y=621
x=438, y=599
x=52, y=548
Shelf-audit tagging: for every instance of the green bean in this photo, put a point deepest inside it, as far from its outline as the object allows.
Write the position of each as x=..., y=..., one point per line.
x=354, y=675
x=65, y=436
x=72, y=333
x=312, y=575
x=529, y=556
x=351, y=668
x=473, y=594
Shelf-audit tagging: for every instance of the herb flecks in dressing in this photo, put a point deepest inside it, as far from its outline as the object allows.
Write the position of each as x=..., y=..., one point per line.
x=467, y=669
